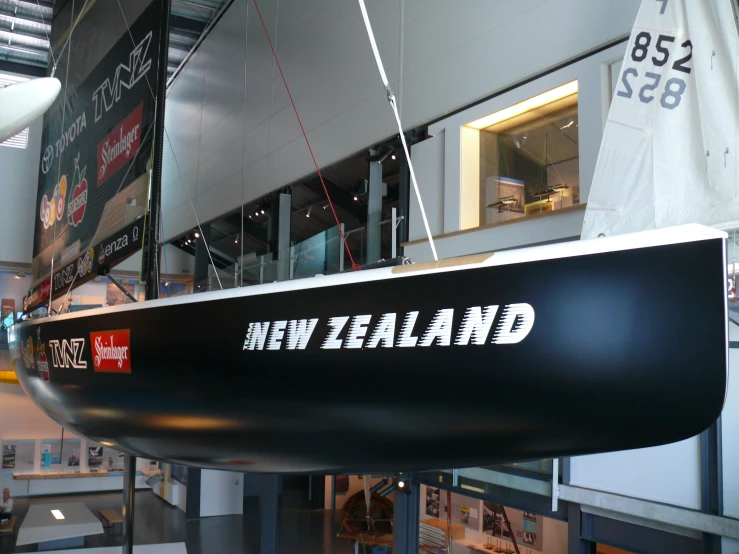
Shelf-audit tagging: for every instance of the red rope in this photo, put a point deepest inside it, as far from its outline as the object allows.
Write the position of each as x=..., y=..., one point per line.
x=355, y=266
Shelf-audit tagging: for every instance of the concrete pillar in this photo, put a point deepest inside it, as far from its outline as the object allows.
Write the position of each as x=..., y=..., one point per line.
x=406, y=509
x=202, y=260
x=268, y=510
x=283, y=237
x=374, y=211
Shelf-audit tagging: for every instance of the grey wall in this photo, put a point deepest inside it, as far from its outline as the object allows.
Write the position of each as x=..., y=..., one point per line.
x=234, y=143
x=18, y=186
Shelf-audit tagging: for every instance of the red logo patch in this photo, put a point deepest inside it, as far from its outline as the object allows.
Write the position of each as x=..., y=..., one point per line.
x=111, y=351
x=43, y=366
x=77, y=204
x=119, y=146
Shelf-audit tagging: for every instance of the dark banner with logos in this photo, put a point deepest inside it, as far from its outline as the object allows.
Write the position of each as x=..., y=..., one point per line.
x=474, y=367
x=97, y=142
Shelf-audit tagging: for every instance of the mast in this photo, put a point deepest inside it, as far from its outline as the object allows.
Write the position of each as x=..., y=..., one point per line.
x=151, y=261
x=151, y=267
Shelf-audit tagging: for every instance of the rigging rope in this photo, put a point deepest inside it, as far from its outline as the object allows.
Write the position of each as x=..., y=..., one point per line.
x=394, y=105
x=174, y=157
x=355, y=265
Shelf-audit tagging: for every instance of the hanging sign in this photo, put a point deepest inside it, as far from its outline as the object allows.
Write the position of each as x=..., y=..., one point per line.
x=96, y=145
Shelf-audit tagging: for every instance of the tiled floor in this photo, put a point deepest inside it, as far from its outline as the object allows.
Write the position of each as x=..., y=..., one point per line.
x=304, y=531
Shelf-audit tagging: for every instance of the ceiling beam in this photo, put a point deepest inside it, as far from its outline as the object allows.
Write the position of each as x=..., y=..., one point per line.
x=183, y=23
x=339, y=196
x=22, y=69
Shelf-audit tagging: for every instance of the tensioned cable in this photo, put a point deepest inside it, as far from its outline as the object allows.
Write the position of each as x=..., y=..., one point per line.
x=393, y=104
x=59, y=165
x=355, y=265
x=43, y=21
x=66, y=43
x=182, y=179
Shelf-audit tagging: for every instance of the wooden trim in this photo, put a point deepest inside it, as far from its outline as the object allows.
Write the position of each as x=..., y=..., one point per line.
x=449, y=262
x=569, y=209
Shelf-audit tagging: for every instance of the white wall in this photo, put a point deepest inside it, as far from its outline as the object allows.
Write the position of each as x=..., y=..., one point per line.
x=221, y=493
x=235, y=143
x=18, y=185
x=669, y=474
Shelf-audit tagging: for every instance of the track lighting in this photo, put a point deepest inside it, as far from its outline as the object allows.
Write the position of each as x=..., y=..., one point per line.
x=309, y=210
x=197, y=235
x=262, y=212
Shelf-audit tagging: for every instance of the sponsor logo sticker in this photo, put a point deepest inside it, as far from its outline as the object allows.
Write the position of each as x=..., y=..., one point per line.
x=78, y=197
x=43, y=365
x=111, y=351
x=53, y=209
x=119, y=146
x=68, y=353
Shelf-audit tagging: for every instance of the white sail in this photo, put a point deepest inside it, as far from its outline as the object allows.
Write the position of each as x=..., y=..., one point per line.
x=669, y=150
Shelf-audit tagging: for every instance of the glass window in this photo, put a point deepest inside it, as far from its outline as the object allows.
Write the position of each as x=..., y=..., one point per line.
x=529, y=157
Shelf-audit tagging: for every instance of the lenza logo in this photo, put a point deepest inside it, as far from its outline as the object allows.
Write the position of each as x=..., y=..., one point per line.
x=68, y=353
x=108, y=94
x=78, y=197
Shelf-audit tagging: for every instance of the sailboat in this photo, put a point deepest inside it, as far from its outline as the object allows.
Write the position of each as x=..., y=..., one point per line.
x=565, y=349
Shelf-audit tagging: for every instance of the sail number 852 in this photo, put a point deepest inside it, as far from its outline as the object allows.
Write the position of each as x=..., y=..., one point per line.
x=673, y=88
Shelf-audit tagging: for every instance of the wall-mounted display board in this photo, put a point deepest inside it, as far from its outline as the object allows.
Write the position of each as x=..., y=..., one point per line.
x=528, y=528
x=18, y=456
x=465, y=510
x=66, y=460
x=102, y=457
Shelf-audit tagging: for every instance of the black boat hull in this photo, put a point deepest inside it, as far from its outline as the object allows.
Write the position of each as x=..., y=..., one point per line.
x=616, y=350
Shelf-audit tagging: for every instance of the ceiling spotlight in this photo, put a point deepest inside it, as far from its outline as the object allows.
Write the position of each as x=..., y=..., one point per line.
x=249, y=216
x=197, y=235
x=236, y=241
x=256, y=214
x=326, y=206
x=166, y=284
x=262, y=212
x=401, y=484
x=309, y=210
x=355, y=198
x=393, y=156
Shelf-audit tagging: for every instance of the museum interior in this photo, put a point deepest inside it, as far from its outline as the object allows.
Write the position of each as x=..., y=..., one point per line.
x=369, y=276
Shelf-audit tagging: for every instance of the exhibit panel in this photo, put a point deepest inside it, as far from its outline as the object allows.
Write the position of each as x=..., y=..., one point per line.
x=480, y=526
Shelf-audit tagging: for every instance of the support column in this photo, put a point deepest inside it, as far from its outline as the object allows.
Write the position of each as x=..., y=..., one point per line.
x=283, y=237
x=711, y=482
x=273, y=223
x=404, y=184
x=374, y=210
x=575, y=543
x=129, y=488
x=268, y=511
x=202, y=260
x=406, y=516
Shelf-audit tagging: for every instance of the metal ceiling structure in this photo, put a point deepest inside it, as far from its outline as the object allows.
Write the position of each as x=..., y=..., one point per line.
x=25, y=27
